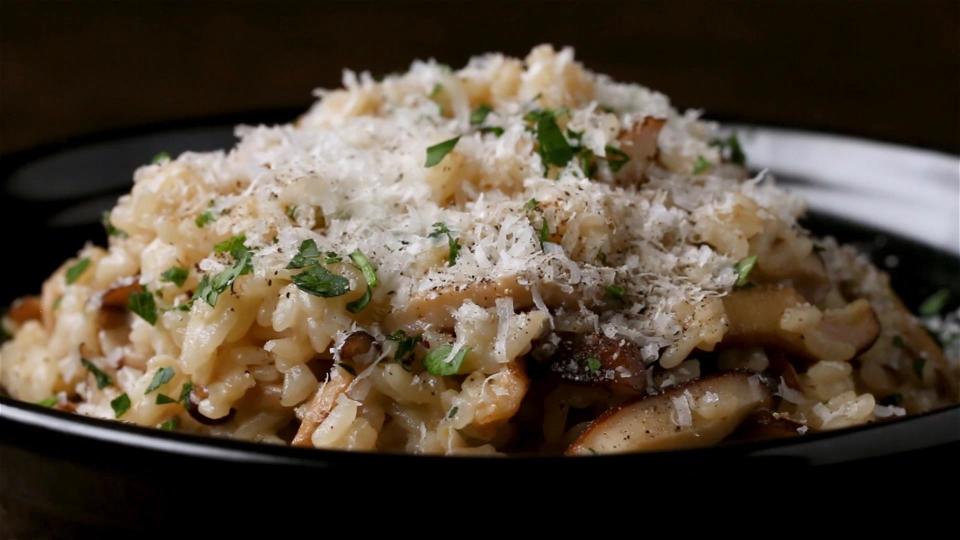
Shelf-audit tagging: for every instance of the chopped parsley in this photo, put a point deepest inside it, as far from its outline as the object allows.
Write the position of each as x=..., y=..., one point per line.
x=205, y=218
x=479, y=115
x=437, y=362
x=331, y=257
x=143, y=304
x=496, y=130
x=210, y=288
x=160, y=378
x=175, y=275
x=544, y=233
x=170, y=424
x=615, y=292
x=554, y=148
x=743, y=269
x=319, y=281
x=405, y=345
x=109, y=228
x=730, y=149
x=935, y=303
x=453, y=412
x=163, y=399
x=616, y=158
x=701, y=166
x=437, y=152
x=315, y=279
x=593, y=364
x=160, y=157
x=588, y=162
x=77, y=270
x=532, y=204
x=292, y=213
x=49, y=402
x=369, y=274
x=120, y=405
x=453, y=243
x=307, y=255
x=185, y=393
x=103, y=380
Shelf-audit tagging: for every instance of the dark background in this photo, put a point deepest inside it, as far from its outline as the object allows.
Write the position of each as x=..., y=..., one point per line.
x=882, y=69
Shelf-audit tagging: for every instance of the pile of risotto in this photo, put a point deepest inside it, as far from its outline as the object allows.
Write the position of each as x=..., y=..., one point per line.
x=520, y=256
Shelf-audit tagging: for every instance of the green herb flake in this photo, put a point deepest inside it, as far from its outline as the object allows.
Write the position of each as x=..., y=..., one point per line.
x=587, y=161
x=531, y=205
x=160, y=378
x=363, y=263
x=160, y=157
x=307, y=255
x=544, y=233
x=593, y=365
x=102, y=379
x=319, y=281
x=120, y=405
x=743, y=269
x=292, y=212
x=616, y=158
x=437, y=152
x=359, y=304
x=554, y=148
x=436, y=91
x=453, y=243
x=176, y=275
x=171, y=424
x=453, y=412
x=442, y=362
x=615, y=292
x=143, y=304
x=479, y=115
x=331, y=257
x=405, y=345
x=49, y=402
x=731, y=150
x=701, y=166
x=109, y=228
x=163, y=399
x=935, y=303
x=210, y=288
x=205, y=218
x=496, y=130
x=77, y=270
x=185, y=391
x=57, y=302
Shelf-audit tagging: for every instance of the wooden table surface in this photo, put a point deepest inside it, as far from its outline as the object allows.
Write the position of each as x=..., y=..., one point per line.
x=882, y=69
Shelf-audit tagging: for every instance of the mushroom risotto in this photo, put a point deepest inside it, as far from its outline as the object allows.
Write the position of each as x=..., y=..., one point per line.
x=520, y=256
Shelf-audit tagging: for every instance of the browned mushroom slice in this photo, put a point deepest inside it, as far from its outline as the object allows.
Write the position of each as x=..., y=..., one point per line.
x=639, y=144
x=356, y=349
x=755, y=317
x=596, y=358
x=321, y=405
x=118, y=296
x=436, y=309
x=28, y=308
x=508, y=388
x=701, y=413
x=764, y=425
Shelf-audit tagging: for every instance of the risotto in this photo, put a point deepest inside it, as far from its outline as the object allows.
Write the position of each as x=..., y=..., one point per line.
x=520, y=256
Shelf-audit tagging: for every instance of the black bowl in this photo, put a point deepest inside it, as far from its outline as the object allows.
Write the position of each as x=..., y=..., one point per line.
x=64, y=475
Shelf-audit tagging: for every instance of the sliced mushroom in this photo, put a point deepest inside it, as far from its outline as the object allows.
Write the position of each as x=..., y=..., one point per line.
x=698, y=414
x=764, y=425
x=508, y=388
x=28, y=308
x=436, y=308
x=322, y=403
x=596, y=358
x=355, y=349
x=640, y=145
x=755, y=317
x=118, y=296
